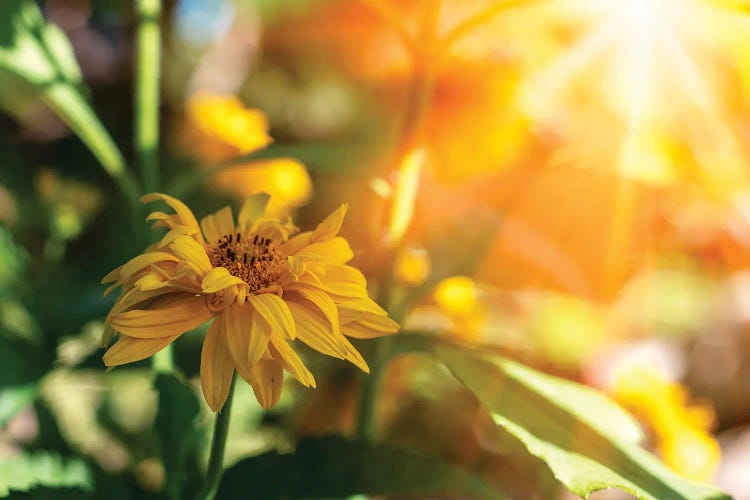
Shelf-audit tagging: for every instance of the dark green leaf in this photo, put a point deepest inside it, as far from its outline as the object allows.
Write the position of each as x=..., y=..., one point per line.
x=333, y=466
x=42, y=469
x=176, y=426
x=587, y=441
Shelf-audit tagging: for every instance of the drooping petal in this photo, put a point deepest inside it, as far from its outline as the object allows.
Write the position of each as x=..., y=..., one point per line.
x=168, y=316
x=360, y=331
x=183, y=212
x=321, y=300
x=129, y=349
x=315, y=331
x=353, y=356
x=217, y=367
x=175, y=232
x=253, y=209
x=367, y=319
x=267, y=380
x=274, y=310
x=329, y=228
x=296, y=243
x=193, y=254
x=359, y=304
x=290, y=360
x=343, y=280
x=144, y=260
x=218, y=279
x=259, y=336
x=335, y=251
x=237, y=321
x=217, y=225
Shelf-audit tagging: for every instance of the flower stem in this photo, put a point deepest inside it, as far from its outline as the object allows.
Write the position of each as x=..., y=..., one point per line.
x=218, y=444
x=148, y=62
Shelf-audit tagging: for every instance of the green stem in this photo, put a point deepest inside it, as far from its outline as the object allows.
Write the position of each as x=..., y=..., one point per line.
x=418, y=100
x=148, y=63
x=218, y=444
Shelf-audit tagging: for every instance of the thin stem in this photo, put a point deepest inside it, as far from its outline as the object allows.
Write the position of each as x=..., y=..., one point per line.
x=418, y=100
x=148, y=62
x=218, y=444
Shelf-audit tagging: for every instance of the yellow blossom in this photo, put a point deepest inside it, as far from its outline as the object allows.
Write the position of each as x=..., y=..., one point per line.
x=261, y=284
x=681, y=431
x=412, y=266
x=219, y=128
x=458, y=298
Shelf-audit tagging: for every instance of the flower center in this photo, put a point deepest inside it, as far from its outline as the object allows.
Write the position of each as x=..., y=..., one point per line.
x=257, y=262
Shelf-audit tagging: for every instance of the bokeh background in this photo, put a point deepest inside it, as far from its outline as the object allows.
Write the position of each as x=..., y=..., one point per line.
x=576, y=196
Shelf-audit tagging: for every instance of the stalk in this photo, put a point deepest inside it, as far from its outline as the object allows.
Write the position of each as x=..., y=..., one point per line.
x=218, y=444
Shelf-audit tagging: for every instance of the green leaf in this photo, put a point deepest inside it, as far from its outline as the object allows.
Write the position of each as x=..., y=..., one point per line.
x=176, y=420
x=587, y=441
x=14, y=399
x=42, y=469
x=333, y=466
x=36, y=58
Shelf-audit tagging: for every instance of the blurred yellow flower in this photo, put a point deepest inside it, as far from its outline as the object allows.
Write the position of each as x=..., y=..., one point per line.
x=412, y=266
x=262, y=287
x=219, y=128
x=458, y=298
x=681, y=431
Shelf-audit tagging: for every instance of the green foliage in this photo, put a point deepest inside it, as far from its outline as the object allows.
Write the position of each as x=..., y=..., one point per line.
x=15, y=399
x=36, y=58
x=176, y=421
x=333, y=466
x=588, y=442
x=42, y=469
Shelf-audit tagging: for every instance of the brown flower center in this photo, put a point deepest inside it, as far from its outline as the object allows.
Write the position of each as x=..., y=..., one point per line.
x=258, y=262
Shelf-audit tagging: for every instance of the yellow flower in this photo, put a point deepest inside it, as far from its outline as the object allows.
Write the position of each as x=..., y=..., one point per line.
x=219, y=128
x=262, y=287
x=682, y=431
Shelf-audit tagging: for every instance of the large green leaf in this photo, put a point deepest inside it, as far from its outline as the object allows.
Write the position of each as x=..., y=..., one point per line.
x=176, y=418
x=334, y=467
x=42, y=469
x=587, y=441
x=36, y=59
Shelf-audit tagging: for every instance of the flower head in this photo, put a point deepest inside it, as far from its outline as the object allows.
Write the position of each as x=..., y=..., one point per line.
x=264, y=286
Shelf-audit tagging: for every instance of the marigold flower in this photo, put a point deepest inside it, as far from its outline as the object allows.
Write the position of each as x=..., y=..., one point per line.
x=262, y=287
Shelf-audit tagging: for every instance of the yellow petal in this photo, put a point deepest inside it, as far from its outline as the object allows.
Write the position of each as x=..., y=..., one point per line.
x=218, y=225
x=112, y=275
x=217, y=367
x=321, y=299
x=175, y=232
x=360, y=331
x=218, y=279
x=237, y=321
x=193, y=254
x=183, y=212
x=329, y=228
x=267, y=380
x=258, y=345
x=276, y=313
x=166, y=317
x=296, y=243
x=314, y=330
x=291, y=362
x=335, y=251
x=359, y=304
x=129, y=349
x=369, y=320
x=253, y=209
x=144, y=260
x=353, y=355
x=343, y=280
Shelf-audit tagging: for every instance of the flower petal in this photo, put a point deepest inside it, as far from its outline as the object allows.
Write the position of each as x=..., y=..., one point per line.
x=144, y=260
x=218, y=279
x=253, y=209
x=329, y=228
x=129, y=349
x=172, y=315
x=267, y=380
x=360, y=331
x=321, y=299
x=237, y=321
x=367, y=319
x=192, y=253
x=335, y=251
x=359, y=304
x=183, y=212
x=217, y=367
x=218, y=225
x=341, y=280
x=296, y=243
x=276, y=313
x=315, y=331
x=290, y=360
